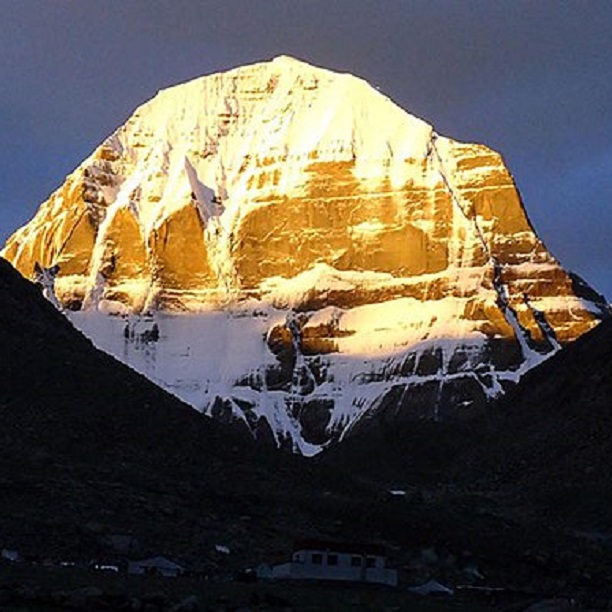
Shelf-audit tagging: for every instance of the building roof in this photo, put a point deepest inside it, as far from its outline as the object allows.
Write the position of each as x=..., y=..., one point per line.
x=160, y=562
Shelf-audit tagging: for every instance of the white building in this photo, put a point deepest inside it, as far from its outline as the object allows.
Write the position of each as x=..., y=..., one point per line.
x=318, y=560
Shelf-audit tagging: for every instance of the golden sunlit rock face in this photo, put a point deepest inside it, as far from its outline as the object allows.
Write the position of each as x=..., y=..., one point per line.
x=349, y=227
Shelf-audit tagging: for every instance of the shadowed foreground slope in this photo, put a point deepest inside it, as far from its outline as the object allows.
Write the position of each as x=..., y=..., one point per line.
x=89, y=448
x=551, y=437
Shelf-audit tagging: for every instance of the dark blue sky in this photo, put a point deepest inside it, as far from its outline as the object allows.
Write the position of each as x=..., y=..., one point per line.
x=532, y=79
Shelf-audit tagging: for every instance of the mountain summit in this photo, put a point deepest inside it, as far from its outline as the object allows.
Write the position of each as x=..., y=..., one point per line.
x=284, y=245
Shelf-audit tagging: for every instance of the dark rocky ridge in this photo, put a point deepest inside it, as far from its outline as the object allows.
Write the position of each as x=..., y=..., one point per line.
x=551, y=437
x=90, y=447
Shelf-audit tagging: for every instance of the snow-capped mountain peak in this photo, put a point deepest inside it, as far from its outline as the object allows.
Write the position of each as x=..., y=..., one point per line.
x=285, y=245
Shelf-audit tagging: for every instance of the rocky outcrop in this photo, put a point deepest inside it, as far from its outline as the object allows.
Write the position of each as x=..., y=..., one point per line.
x=338, y=257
